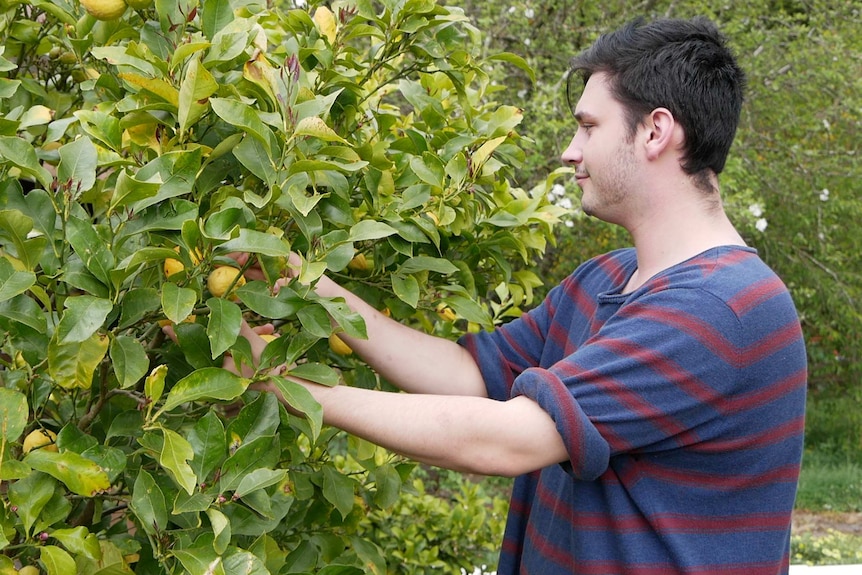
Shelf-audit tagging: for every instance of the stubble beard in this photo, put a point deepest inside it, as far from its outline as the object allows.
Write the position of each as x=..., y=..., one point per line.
x=609, y=189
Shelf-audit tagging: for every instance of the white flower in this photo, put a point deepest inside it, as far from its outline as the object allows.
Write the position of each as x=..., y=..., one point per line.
x=557, y=191
x=529, y=13
x=824, y=195
x=512, y=9
x=565, y=203
x=756, y=210
x=761, y=224
x=527, y=42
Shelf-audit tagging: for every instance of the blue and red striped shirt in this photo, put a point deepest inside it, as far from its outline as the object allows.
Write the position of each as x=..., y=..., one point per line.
x=682, y=408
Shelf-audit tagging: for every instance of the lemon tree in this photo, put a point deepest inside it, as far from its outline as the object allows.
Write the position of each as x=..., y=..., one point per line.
x=142, y=149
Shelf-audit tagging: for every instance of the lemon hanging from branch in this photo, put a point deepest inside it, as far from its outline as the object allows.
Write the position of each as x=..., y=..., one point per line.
x=104, y=9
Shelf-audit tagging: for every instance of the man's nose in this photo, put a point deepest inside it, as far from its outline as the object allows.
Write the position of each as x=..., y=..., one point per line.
x=572, y=155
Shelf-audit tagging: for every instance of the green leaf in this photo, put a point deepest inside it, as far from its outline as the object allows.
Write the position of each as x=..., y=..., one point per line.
x=200, y=561
x=13, y=414
x=130, y=190
x=247, y=119
x=72, y=365
x=24, y=310
x=242, y=562
x=137, y=304
x=111, y=459
x=154, y=385
x=77, y=168
x=387, y=481
x=57, y=561
x=429, y=169
x=198, y=84
x=216, y=14
x=206, y=383
x=370, y=230
x=517, y=61
x=148, y=503
x=256, y=419
x=129, y=359
x=209, y=445
x=30, y=495
x=254, y=242
x=84, y=315
x=78, y=473
x=90, y=248
x=259, y=479
x=176, y=452
x=224, y=324
x=257, y=296
x=21, y=155
x=109, y=562
x=79, y=541
x=177, y=302
x=13, y=282
x=220, y=526
x=406, y=288
x=260, y=452
x=299, y=398
x=316, y=372
x=195, y=345
x=338, y=489
x=16, y=226
x=251, y=154
x=102, y=126
x=427, y=263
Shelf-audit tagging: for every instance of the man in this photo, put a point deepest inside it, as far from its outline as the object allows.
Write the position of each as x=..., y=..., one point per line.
x=652, y=406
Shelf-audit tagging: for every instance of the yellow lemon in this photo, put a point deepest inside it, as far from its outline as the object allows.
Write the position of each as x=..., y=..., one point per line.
x=28, y=570
x=173, y=266
x=221, y=278
x=359, y=263
x=445, y=312
x=337, y=345
x=104, y=9
x=37, y=438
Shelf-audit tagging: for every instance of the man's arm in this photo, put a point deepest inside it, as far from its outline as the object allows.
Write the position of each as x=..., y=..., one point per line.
x=464, y=433
x=469, y=434
x=412, y=360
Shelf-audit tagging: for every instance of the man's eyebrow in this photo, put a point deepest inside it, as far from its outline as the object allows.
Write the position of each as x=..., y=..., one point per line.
x=582, y=116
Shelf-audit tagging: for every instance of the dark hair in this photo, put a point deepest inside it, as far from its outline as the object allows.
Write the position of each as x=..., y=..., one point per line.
x=682, y=65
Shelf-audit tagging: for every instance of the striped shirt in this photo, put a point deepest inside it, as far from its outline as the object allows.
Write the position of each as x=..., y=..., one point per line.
x=681, y=406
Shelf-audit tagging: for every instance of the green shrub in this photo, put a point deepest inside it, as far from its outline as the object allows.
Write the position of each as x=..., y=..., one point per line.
x=446, y=523
x=187, y=130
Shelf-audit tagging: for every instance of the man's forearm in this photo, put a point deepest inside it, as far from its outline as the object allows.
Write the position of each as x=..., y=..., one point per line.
x=414, y=361
x=470, y=434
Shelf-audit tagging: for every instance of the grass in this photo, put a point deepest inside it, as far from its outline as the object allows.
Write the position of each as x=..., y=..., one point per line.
x=830, y=483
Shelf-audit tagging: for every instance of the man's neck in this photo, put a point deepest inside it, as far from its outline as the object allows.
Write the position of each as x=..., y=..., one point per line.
x=670, y=235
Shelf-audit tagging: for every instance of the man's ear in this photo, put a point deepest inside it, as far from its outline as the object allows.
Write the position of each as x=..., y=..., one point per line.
x=662, y=133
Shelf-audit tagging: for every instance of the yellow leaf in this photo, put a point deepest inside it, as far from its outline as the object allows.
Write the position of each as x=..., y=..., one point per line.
x=324, y=19
x=157, y=86
x=317, y=128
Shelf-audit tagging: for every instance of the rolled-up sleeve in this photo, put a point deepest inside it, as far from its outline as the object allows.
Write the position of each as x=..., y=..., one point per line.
x=588, y=451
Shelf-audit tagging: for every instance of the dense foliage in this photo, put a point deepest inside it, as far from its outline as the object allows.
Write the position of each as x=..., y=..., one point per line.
x=139, y=148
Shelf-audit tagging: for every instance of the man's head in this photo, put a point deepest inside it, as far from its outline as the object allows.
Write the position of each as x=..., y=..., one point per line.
x=684, y=66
